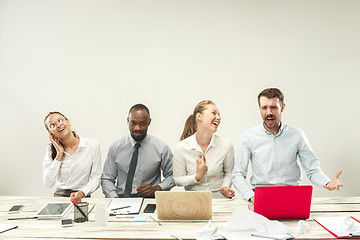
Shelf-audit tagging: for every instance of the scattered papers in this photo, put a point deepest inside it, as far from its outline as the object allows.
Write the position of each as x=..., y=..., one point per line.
x=247, y=224
x=244, y=219
x=208, y=232
x=302, y=227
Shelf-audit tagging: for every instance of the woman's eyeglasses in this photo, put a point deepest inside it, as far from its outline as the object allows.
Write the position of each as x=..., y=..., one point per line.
x=53, y=125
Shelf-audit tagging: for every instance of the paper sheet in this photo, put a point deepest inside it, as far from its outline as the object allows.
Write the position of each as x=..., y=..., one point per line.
x=6, y=227
x=245, y=235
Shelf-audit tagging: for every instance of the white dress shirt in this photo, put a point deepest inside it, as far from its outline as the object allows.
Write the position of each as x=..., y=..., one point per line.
x=274, y=159
x=219, y=157
x=79, y=171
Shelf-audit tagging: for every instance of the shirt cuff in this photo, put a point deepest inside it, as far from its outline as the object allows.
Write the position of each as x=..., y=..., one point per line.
x=165, y=186
x=86, y=191
x=112, y=194
x=248, y=195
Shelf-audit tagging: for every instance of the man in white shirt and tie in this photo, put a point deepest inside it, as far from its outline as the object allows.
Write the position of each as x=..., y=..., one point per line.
x=273, y=149
x=134, y=162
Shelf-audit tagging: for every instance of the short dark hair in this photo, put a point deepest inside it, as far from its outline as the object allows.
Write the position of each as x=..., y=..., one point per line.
x=140, y=106
x=272, y=93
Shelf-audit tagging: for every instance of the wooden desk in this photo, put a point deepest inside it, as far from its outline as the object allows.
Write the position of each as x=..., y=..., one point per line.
x=125, y=228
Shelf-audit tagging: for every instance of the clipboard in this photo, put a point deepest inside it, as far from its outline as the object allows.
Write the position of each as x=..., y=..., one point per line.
x=334, y=225
x=125, y=206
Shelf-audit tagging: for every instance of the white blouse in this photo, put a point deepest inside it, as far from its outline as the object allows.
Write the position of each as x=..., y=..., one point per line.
x=219, y=157
x=80, y=171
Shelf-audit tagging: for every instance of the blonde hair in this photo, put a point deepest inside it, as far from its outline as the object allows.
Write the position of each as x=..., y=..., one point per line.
x=190, y=124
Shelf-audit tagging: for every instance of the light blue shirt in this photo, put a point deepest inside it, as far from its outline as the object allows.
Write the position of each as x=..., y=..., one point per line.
x=154, y=156
x=274, y=159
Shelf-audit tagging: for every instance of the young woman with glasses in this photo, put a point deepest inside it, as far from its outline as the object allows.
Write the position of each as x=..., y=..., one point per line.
x=71, y=161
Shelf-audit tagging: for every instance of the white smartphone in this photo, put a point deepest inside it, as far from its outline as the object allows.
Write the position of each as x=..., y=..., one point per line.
x=15, y=208
x=66, y=222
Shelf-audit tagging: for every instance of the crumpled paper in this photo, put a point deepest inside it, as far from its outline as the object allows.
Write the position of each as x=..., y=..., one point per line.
x=302, y=227
x=349, y=225
x=208, y=232
x=246, y=220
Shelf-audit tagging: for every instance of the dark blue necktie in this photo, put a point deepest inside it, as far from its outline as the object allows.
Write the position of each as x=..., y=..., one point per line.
x=130, y=176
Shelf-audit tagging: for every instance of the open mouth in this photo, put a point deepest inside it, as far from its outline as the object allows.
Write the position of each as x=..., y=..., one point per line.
x=270, y=119
x=62, y=129
x=216, y=123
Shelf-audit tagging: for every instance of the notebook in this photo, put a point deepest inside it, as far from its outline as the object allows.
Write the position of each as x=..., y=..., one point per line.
x=188, y=205
x=283, y=202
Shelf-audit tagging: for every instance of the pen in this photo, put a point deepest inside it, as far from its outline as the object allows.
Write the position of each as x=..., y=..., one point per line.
x=119, y=208
x=91, y=209
x=354, y=234
x=22, y=218
x=176, y=237
x=265, y=236
x=80, y=210
x=155, y=220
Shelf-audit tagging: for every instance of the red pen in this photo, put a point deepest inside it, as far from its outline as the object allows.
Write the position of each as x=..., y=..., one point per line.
x=80, y=210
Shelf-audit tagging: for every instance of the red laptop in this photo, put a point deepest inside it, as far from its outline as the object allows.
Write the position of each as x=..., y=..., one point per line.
x=283, y=202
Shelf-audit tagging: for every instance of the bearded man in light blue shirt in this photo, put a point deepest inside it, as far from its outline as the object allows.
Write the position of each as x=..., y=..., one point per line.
x=273, y=149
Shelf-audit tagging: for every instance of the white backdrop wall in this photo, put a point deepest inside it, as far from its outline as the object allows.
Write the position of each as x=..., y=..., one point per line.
x=92, y=60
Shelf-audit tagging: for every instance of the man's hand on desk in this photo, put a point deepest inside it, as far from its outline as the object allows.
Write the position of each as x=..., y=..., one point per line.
x=334, y=183
x=146, y=190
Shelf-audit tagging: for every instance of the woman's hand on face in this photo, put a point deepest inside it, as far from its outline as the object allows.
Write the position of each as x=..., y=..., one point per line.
x=57, y=145
x=201, y=167
x=227, y=192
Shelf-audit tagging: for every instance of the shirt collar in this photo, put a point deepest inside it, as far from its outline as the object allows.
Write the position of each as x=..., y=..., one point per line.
x=194, y=145
x=81, y=143
x=280, y=129
x=133, y=142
